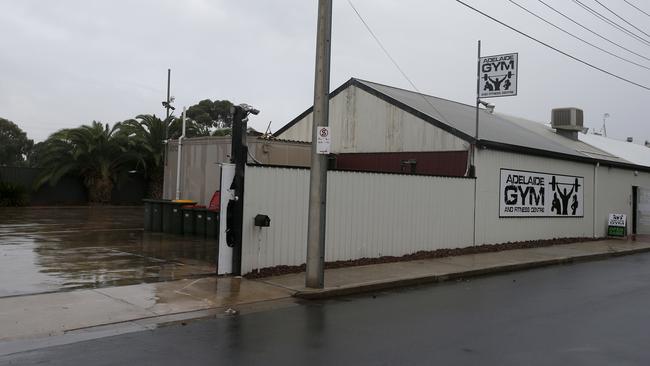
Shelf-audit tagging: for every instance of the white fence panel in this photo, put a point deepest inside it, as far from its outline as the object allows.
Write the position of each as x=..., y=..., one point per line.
x=283, y=195
x=369, y=215
x=373, y=215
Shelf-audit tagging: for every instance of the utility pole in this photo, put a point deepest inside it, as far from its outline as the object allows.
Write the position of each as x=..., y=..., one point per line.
x=169, y=75
x=318, y=173
x=474, y=145
x=167, y=105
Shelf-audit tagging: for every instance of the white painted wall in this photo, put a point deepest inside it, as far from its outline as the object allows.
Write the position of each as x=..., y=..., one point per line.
x=361, y=122
x=614, y=195
x=491, y=229
x=369, y=215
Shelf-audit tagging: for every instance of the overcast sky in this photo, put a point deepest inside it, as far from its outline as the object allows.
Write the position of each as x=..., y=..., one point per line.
x=65, y=63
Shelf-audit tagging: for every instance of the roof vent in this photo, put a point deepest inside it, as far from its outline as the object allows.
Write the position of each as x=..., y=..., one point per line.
x=630, y=139
x=567, y=121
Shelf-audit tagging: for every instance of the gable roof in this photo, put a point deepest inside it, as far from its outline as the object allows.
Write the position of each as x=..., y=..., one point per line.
x=497, y=131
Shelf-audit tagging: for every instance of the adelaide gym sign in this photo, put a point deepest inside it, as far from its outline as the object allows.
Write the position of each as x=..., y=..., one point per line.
x=524, y=194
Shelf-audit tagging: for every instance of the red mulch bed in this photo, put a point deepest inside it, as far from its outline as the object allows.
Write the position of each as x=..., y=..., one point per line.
x=439, y=253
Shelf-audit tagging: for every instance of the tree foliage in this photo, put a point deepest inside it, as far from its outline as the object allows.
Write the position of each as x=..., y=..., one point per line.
x=14, y=144
x=100, y=155
x=210, y=115
x=95, y=152
x=147, y=136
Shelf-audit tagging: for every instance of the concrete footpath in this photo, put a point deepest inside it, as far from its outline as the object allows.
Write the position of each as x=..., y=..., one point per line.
x=343, y=281
x=32, y=321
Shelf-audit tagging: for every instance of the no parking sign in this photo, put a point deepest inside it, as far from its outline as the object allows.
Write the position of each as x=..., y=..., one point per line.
x=323, y=141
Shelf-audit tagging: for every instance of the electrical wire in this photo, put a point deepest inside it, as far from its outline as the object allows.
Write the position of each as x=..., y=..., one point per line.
x=621, y=18
x=612, y=23
x=394, y=61
x=636, y=7
x=554, y=48
x=578, y=38
x=593, y=32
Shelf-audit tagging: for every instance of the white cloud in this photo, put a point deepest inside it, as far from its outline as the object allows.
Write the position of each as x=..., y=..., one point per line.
x=73, y=61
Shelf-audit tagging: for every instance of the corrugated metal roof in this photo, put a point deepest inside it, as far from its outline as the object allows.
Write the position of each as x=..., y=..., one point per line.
x=634, y=153
x=496, y=130
x=494, y=127
x=547, y=132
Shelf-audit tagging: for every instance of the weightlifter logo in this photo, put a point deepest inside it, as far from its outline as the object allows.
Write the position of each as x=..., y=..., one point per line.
x=561, y=205
x=498, y=76
x=540, y=194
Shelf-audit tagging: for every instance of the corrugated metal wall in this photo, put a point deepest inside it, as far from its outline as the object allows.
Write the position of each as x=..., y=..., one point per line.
x=201, y=174
x=362, y=122
x=445, y=163
x=615, y=194
x=612, y=188
x=492, y=229
x=368, y=215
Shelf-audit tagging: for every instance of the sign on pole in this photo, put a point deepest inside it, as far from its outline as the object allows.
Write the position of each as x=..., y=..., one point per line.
x=323, y=141
x=498, y=75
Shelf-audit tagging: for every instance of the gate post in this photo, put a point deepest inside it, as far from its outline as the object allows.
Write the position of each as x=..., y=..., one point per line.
x=235, y=209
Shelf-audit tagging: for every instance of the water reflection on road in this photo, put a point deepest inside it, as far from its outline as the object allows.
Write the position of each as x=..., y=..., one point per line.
x=53, y=249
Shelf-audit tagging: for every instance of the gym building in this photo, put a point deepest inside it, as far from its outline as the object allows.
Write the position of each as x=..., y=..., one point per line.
x=529, y=180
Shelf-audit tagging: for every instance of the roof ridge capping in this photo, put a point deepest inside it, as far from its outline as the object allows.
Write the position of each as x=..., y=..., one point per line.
x=366, y=82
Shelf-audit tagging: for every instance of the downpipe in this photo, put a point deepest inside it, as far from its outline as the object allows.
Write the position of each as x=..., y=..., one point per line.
x=179, y=160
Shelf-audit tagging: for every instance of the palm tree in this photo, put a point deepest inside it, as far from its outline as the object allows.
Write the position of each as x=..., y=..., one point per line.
x=147, y=135
x=95, y=152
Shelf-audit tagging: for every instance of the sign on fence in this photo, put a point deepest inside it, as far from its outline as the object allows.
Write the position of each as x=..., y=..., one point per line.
x=537, y=194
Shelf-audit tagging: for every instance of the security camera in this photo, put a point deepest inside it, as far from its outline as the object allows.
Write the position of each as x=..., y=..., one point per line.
x=488, y=106
x=168, y=105
x=249, y=108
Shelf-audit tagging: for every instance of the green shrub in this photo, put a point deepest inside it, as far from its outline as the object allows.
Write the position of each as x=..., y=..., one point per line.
x=13, y=195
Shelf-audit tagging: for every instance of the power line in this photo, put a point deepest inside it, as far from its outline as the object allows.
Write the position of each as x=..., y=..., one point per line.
x=594, y=32
x=612, y=23
x=621, y=18
x=553, y=48
x=636, y=7
x=393, y=60
x=578, y=38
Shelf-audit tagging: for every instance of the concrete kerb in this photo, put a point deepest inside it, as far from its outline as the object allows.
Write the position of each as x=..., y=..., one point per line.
x=138, y=325
x=316, y=294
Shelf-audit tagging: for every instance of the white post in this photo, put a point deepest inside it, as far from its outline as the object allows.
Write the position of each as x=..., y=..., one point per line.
x=178, y=162
x=224, y=260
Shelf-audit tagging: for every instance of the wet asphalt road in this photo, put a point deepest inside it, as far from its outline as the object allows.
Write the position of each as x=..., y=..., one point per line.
x=595, y=313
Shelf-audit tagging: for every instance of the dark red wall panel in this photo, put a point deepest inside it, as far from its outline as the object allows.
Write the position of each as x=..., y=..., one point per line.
x=447, y=163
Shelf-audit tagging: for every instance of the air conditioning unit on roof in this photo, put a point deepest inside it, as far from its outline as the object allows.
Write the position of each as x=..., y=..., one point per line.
x=568, y=119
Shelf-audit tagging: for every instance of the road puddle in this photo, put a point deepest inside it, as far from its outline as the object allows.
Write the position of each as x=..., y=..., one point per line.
x=55, y=249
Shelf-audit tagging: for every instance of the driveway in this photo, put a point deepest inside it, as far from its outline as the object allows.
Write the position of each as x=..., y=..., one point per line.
x=58, y=249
